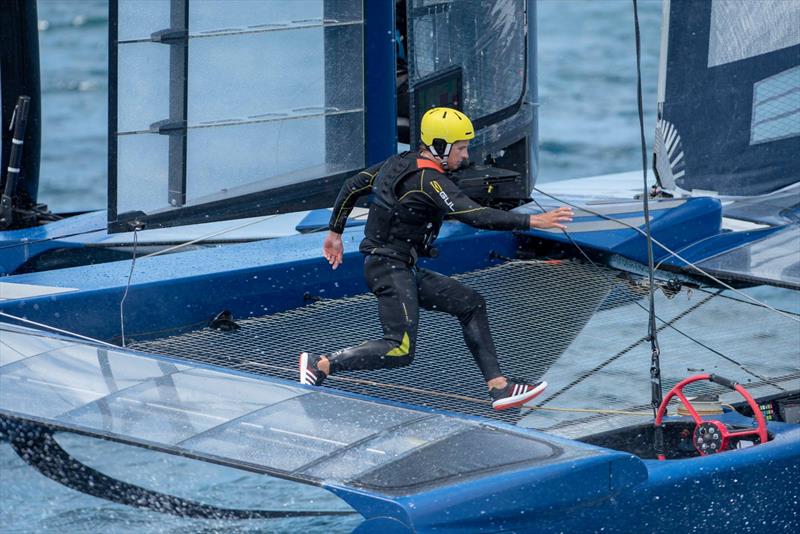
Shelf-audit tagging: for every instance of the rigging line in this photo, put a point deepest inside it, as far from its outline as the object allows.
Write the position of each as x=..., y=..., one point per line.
x=667, y=323
x=54, y=238
x=59, y=330
x=670, y=251
x=323, y=228
x=652, y=330
x=209, y=236
x=624, y=351
x=128, y=286
x=728, y=297
x=684, y=249
x=387, y=385
x=586, y=410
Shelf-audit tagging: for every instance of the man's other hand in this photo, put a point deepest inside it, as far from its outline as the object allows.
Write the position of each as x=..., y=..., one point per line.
x=552, y=219
x=332, y=249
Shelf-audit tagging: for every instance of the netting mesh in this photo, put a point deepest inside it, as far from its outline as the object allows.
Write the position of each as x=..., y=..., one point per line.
x=579, y=327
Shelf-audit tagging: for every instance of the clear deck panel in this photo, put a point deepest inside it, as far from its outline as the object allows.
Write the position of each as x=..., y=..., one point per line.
x=773, y=260
x=264, y=425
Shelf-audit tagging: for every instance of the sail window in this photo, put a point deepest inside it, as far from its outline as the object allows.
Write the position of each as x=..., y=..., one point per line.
x=69, y=376
x=252, y=423
x=215, y=95
x=776, y=107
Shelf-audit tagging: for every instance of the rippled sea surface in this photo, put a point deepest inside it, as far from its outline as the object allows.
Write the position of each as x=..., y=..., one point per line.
x=588, y=125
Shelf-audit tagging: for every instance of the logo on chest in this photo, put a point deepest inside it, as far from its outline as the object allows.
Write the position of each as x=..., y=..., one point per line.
x=438, y=188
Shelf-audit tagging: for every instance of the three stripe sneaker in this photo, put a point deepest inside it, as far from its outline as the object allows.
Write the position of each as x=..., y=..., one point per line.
x=515, y=394
x=309, y=373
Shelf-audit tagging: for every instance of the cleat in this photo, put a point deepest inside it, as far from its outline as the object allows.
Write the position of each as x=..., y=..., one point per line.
x=515, y=394
x=309, y=374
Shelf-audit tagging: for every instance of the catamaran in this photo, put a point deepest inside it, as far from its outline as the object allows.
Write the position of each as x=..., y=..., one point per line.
x=172, y=320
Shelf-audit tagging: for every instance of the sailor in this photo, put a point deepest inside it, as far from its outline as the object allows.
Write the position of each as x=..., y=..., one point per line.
x=412, y=194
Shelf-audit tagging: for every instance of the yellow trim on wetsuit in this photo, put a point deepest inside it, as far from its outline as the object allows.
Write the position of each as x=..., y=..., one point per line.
x=467, y=211
x=344, y=204
x=420, y=190
x=403, y=349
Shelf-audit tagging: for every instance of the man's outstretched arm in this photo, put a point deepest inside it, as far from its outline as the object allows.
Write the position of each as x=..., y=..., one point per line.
x=455, y=204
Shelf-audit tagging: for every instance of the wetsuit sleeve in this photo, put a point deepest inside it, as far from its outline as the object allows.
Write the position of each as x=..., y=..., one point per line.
x=354, y=187
x=451, y=201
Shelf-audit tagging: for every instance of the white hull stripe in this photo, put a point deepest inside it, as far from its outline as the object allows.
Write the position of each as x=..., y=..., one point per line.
x=13, y=169
x=17, y=141
x=597, y=226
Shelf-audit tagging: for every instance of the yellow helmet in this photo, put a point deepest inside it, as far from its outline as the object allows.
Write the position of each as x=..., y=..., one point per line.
x=441, y=127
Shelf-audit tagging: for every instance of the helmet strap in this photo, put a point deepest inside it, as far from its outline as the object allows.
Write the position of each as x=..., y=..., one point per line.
x=440, y=148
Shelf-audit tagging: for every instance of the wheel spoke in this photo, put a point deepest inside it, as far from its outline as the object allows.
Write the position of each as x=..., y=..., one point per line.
x=689, y=407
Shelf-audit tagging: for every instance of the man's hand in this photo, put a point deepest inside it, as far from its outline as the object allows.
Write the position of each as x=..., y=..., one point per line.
x=552, y=219
x=332, y=249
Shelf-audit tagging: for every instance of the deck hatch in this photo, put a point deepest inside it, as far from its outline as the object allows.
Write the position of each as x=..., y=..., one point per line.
x=472, y=451
x=386, y=448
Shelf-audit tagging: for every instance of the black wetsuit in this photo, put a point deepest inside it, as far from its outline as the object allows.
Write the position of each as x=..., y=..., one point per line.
x=407, y=210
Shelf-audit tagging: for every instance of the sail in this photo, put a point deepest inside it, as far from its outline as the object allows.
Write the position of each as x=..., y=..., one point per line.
x=223, y=109
x=729, y=97
x=211, y=100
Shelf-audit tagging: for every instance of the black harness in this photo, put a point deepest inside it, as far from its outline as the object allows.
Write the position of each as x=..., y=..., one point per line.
x=399, y=231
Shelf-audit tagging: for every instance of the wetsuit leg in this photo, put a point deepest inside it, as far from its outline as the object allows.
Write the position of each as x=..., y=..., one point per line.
x=442, y=293
x=394, y=284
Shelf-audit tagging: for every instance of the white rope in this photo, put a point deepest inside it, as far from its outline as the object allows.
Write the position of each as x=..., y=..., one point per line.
x=209, y=236
x=74, y=334
x=127, y=288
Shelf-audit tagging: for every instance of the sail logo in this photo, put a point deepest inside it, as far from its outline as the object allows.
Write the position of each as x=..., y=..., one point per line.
x=438, y=188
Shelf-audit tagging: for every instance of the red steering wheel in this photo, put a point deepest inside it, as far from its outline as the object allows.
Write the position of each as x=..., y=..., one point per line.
x=713, y=436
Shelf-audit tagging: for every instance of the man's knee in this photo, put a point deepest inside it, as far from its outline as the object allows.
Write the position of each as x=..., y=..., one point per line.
x=472, y=304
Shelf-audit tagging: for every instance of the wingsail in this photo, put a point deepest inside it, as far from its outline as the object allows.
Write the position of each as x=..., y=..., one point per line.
x=729, y=97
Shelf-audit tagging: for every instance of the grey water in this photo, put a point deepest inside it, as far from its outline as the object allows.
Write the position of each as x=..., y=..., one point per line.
x=588, y=126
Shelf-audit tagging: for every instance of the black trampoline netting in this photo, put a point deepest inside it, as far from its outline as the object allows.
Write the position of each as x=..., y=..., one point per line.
x=581, y=328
